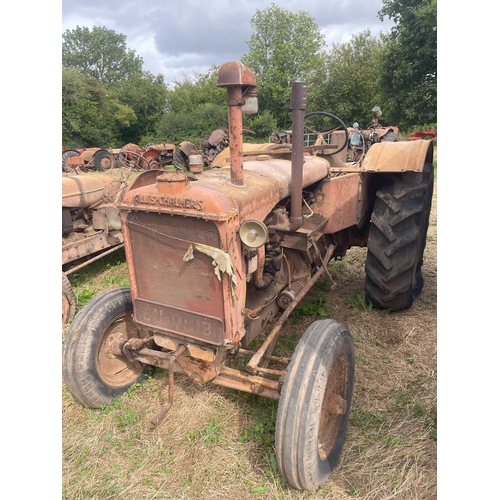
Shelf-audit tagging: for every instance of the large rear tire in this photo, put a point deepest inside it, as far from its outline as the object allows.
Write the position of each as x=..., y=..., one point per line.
x=314, y=406
x=94, y=369
x=397, y=238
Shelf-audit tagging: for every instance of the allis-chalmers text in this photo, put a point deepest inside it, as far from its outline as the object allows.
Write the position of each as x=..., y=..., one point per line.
x=167, y=201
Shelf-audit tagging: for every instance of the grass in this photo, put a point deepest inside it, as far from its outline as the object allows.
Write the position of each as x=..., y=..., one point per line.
x=218, y=443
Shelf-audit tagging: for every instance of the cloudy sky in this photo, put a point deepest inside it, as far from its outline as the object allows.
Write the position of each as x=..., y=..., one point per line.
x=179, y=39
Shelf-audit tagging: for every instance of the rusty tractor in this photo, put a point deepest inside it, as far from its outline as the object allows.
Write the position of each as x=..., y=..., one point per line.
x=360, y=141
x=219, y=258
x=83, y=160
x=91, y=226
x=189, y=155
x=152, y=157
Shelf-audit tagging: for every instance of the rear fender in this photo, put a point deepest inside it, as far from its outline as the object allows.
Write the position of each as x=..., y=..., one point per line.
x=402, y=156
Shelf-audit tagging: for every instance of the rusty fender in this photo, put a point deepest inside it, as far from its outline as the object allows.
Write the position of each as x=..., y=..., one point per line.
x=403, y=156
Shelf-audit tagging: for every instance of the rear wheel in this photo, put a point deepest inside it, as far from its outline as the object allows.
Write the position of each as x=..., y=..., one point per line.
x=314, y=406
x=68, y=300
x=94, y=367
x=397, y=238
x=65, y=156
x=104, y=160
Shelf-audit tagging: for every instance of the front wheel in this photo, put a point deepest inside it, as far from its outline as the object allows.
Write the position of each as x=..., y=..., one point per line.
x=397, y=238
x=314, y=406
x=94, y=367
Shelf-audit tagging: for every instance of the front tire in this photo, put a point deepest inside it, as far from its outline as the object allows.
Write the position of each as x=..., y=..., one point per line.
x=94, y=369
x=397, y=238
x=314, y=406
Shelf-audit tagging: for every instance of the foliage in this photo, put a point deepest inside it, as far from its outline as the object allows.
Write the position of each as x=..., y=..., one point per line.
x=345, y=83
x=408, y=67
x=283, y=48
x=92, y=116
x=101, y=54
x=194, y=108
x=146, y=95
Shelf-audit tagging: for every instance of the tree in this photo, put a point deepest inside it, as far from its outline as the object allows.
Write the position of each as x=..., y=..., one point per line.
x=283, y=48
x=146, y=95
x=345, y=83
x=92, y=116
x=408, y=73
x=101, y=54
x=194, y=108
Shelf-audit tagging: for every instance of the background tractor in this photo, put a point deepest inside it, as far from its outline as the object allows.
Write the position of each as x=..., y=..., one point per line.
x=219, y=260
x=91, y=226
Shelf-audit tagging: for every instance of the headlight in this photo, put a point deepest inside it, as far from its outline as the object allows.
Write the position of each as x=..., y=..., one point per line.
x=253, y=233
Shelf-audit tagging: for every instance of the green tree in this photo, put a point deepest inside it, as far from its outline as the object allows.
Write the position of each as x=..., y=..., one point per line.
x=101, y=54
x=92, y=116
x=345, y=83
x=408, y=72
x=284, y=48
x=194, y=108
x=146, y=95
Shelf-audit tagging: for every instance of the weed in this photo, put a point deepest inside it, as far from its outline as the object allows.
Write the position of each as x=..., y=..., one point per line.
x=357, y=299
x=130, y=417
x=352, y=490
x=367, y=420
x=84, y=296
x=314, y=307
x=210, y=435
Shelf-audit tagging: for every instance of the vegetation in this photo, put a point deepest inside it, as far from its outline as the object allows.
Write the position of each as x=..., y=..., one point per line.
x=108, y=100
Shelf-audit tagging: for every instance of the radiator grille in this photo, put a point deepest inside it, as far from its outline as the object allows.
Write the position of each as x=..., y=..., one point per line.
x=173, y=295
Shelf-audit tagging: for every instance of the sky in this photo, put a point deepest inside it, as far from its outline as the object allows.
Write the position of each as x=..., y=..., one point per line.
x=180, y=39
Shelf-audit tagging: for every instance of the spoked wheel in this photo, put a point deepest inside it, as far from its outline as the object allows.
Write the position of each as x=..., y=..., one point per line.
x=397, y=238
x=68, y=300
x=94, y=367
x=314, y=406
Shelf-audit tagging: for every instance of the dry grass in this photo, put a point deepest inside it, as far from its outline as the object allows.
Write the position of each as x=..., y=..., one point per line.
x=218, y=444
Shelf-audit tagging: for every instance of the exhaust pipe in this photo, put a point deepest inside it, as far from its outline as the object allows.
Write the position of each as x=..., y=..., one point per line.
x=298, y=106
x=241, y=87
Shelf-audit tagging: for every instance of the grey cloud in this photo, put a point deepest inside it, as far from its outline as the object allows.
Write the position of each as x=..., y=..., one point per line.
x=197, y=34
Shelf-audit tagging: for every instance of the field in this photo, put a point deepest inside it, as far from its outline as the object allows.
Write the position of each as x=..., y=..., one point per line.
x=217, y=443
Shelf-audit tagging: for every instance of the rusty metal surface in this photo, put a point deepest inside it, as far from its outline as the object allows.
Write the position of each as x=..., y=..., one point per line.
x=402, y=156
x=87, y=246
x=170, y=288
x=216, y=136
x=234, y=73
x=253, y=384
x=336, y=199
x=83, y=191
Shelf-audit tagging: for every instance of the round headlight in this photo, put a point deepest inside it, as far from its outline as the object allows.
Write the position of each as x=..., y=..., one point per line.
x=253, y=233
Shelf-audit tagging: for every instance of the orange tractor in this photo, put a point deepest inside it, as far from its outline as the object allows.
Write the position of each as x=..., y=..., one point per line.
x=219, y=258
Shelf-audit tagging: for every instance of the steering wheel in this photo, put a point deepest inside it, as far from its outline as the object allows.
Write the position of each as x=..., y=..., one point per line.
x=333, y=117
x=132, y=159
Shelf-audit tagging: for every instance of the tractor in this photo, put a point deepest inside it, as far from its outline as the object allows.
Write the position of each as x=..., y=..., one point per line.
x=91, y=225
x=219, y=260
x=361, y=140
